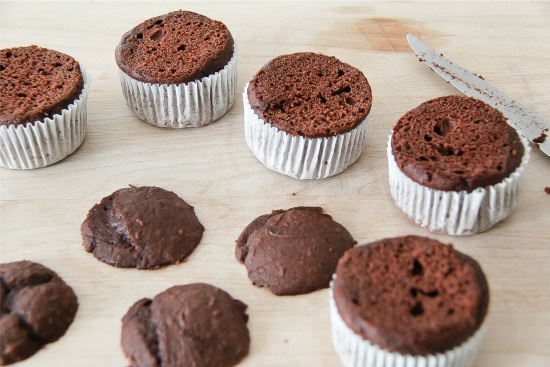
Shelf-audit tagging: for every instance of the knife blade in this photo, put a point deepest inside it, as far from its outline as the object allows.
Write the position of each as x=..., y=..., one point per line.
x=527, y=122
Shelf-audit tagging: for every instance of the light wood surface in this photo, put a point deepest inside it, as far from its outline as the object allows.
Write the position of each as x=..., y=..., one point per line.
x=213, y=169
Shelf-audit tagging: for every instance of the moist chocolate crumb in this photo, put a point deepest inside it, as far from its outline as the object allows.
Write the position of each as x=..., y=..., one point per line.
x=479, y=76
x=541, y=139
x=412, y=295
x=174, y=48
x=36, y=83
x=547, y=190
x=456, y=143
x=311, y=95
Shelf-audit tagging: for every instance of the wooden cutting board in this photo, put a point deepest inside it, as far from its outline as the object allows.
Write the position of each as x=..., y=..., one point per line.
x=213, y=169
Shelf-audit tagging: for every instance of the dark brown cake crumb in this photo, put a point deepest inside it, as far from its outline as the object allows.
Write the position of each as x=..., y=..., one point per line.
x=174, y=48
x=188, y=325
x=36, y=83
x=540, y=139
x=456, y=143
x=312, y=95
x=292, y=251
x=547, y=190
x=36, y=307
x=411, y=295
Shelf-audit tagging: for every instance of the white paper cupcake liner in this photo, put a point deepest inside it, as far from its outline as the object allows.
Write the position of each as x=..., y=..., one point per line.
x=41, y=143
x=298, y=156
x=451, y=212
x=354, y=351
x=193, y=104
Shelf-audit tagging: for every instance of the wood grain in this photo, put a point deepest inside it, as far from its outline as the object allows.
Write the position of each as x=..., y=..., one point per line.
x=213, y=169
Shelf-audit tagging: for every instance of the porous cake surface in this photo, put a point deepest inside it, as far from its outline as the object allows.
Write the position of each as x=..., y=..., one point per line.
x=311, y=95
x=456, y=143
x=412, y=295
x=36, y=83
x=174, y=48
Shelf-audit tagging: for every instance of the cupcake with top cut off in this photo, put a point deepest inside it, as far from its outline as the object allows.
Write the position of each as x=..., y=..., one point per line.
x=455, y=165
x=178, y=70
x=43, y=113
x=408, y=301
x=305, y=115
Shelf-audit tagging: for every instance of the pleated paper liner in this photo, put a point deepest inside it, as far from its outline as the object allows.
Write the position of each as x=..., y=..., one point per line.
x=297, y=156
x=455, y=213
x=41, y=143
x=194, y=104
x=354, y=351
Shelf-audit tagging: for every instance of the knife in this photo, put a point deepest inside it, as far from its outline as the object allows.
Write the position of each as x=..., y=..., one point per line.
x=532, y=126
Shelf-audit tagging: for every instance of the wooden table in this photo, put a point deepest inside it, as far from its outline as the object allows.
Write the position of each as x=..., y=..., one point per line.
x=213, y=169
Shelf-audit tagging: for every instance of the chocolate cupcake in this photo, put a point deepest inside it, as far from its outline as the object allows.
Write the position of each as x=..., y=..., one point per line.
x=43, y=109
x=188, y=325
x=292, y=251
x=305, y=115
x=409, y=301
x=141, y=227
x=455, y=165
x=36, y=308
x=178, y=70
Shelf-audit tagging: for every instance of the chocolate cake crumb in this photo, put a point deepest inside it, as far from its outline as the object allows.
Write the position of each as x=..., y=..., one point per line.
x=174, y=48
x=311, y=95
x=456, y=143
x=541, y=139
x=547, y=190
x=36, y=83
x=412, y=295
x=480, y=77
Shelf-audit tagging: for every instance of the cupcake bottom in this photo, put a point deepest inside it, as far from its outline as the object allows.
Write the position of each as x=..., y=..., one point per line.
x=41, y=143
x=193, y=104
x=298, y=156
x=354, y=351
x=451, y=212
